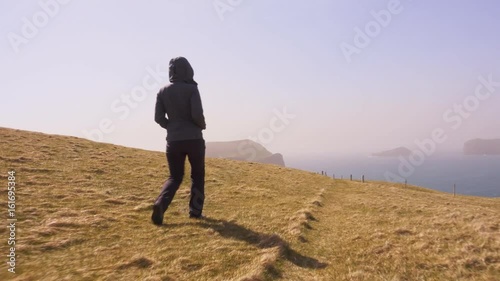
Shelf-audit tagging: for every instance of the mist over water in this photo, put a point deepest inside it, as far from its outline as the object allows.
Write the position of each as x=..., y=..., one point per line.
x=473, y=175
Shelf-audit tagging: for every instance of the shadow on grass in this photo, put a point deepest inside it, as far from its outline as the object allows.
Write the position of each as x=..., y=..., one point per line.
x=233, y=230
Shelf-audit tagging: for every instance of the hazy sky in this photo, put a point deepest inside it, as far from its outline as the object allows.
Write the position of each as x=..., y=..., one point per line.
x=356, y=76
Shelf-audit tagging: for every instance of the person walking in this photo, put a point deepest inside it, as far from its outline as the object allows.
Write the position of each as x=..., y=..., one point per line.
x=181, y=102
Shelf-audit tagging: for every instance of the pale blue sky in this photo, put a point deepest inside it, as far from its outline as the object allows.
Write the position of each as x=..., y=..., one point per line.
x=263, y=56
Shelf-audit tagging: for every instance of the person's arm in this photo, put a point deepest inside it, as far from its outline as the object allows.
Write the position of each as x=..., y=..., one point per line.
x=160, y=113
x=197, y=110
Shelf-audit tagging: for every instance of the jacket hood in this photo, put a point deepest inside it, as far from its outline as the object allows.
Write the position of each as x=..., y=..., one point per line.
x=180, y=70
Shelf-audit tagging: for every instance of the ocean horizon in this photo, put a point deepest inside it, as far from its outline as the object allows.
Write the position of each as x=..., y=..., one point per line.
x=476, y=175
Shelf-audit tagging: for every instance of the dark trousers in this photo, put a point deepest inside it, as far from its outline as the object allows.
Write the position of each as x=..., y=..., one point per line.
x=176, y=157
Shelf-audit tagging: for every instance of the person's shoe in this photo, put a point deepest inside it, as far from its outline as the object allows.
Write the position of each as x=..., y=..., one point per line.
x=157, y=216
x=197, y=217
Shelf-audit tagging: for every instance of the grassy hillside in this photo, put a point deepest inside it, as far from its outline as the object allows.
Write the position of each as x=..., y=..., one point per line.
x=84, y=209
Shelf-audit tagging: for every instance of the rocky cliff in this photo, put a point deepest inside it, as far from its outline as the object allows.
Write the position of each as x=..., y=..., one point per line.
x=244, y=150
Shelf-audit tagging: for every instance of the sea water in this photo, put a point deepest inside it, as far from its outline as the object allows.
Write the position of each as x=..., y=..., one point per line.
x=472, y=175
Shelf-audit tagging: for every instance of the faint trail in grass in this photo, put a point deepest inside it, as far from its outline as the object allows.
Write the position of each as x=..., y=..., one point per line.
x=359, y=222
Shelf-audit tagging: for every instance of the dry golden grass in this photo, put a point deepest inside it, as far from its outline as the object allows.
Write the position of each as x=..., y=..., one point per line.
x=381, y=231
x=84, y=214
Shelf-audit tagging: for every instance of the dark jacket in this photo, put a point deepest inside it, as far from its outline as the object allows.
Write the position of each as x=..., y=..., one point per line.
x=181, y=101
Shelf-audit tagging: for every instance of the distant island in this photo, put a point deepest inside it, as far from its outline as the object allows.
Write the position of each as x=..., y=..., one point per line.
x=396, y=152
x=482, y=147
x=244, y=150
